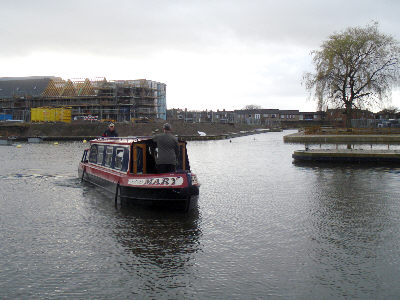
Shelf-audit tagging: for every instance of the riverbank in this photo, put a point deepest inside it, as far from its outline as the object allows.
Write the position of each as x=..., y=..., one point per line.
x=81, y=130
x=302, y=138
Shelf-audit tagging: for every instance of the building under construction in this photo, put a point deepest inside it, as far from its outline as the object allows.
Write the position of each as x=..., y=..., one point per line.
x=118, y=100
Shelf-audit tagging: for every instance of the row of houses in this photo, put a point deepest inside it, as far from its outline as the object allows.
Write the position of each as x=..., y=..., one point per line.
x=277, y=117
x=262, y=117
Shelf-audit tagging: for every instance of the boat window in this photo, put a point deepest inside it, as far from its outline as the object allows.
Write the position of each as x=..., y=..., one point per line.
x=93, y=154
x=125, y=160
x=151, y=154
x=180, y=158
x=108, y=157
x=119, y=156
x=84, y=156
x=139, y=160
x=100, y=155
x=186, y=161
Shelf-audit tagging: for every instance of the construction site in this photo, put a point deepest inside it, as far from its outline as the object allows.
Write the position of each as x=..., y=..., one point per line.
x=86, y=99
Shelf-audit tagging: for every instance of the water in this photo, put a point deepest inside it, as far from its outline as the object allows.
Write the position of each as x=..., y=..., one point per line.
x=264, y=228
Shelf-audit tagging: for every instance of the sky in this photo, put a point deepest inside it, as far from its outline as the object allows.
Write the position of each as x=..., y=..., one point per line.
x=212, y=54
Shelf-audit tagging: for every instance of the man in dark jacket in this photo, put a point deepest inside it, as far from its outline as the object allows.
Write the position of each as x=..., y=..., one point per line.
x=168, y=150
x=110, y=132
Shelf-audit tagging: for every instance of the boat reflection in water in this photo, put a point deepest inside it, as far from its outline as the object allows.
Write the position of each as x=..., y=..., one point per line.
x=166, y=241
x=126, y=167
x=152, y=248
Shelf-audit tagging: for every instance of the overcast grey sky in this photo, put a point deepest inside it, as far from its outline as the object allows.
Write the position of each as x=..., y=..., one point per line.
x=211, y=54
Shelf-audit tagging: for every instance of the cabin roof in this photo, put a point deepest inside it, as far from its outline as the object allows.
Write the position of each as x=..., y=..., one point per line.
x=125, y=140
x=121, y=140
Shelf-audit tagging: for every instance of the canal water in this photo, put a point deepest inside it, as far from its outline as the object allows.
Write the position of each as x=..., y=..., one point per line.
x=264, y=228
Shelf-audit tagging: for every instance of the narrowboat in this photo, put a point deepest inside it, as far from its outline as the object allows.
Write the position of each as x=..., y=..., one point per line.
x=126, y=167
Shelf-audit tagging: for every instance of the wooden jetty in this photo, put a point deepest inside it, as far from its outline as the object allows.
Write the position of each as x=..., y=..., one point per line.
x=347, y=155
x=301, y=138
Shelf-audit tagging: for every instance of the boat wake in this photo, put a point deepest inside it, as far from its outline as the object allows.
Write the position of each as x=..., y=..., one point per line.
x=28, y=174
x=68, y=180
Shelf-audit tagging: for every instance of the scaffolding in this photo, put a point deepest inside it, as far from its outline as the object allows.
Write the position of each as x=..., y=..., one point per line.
x=119, y=100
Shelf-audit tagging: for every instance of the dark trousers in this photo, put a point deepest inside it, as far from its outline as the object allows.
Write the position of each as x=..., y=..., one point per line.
x=164, y=168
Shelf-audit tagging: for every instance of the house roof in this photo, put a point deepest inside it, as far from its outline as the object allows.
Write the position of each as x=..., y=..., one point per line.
x=258, y=111
x=293, y=111
x=23, y=86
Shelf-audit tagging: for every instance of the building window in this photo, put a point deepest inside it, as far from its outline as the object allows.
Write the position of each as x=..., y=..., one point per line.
x=257, y=116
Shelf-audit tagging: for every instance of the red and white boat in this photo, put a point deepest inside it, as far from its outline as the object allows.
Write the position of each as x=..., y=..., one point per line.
x=126, y=167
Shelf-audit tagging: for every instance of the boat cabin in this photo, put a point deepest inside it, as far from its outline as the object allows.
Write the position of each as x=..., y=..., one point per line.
x=130, y=155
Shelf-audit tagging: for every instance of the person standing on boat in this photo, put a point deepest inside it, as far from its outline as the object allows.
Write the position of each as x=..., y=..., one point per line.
x=110, y=132
x=168, y=150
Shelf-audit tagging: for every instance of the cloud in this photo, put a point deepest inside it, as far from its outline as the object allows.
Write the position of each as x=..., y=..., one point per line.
x=144, y=27
x=216, y=54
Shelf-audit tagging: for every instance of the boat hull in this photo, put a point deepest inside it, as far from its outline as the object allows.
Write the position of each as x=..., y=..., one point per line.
x=184, y=197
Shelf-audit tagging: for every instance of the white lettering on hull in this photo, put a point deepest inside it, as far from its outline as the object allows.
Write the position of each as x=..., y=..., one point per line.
x=156, y=181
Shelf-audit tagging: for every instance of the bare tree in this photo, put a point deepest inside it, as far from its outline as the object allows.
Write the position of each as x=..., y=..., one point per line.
x=389, y=112
x=355, y=68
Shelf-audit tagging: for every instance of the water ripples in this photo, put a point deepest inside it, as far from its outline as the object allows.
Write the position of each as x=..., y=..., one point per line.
x=265, y=227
